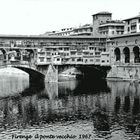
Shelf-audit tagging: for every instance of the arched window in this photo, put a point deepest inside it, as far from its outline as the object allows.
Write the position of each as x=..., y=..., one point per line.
x=117, y=54
x=136, y=54
x=126, y=52
x=4, y=53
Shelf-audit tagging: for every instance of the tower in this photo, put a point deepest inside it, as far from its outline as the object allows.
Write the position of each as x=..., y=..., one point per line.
x=99, y=18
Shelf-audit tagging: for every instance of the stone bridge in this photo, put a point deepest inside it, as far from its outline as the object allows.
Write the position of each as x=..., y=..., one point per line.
x=82, y=53
x=36, y=74
x=50, y=73
x=91, y=72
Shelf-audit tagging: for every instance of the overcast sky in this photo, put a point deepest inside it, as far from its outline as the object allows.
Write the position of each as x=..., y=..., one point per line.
x=32, y=17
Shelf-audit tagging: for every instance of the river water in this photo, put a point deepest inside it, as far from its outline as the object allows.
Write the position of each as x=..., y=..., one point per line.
x=70, y=110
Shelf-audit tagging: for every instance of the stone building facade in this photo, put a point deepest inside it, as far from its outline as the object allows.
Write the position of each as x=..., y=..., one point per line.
x=132, y=25
x=125, y=56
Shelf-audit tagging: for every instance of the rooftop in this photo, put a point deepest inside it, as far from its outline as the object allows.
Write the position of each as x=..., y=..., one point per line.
x=113, y=21
x=103, y=13
x=48, y=37
x=136, y=17
x=84, y=27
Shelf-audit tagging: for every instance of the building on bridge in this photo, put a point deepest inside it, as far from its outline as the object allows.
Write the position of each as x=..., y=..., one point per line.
x=72, y=50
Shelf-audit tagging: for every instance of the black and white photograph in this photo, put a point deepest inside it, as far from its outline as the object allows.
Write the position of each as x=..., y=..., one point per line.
x=69, y=69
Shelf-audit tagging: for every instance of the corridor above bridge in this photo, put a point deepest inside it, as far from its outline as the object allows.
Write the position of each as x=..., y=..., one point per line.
x=57, y=50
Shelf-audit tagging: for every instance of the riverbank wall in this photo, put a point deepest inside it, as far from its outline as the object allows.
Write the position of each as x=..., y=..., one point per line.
x=124, y=72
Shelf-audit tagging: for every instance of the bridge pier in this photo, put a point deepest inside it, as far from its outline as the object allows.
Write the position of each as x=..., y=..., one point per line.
x=51, y=75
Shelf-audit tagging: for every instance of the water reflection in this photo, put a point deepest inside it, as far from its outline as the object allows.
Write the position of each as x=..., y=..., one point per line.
x=126, y=106
x=112, y=107
x=117, y=104
x=136, y=106
x=12, y=85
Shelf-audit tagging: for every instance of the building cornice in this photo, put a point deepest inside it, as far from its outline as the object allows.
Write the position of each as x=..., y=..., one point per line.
x=125, y=35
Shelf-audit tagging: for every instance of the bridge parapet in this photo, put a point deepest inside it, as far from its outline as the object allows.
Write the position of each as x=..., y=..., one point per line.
x=18, y=63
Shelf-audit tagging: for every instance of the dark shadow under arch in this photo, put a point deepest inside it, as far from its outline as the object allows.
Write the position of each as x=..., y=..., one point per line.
x=35, y=76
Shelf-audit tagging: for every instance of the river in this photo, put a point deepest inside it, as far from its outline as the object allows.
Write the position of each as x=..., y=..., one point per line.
x=78, y=109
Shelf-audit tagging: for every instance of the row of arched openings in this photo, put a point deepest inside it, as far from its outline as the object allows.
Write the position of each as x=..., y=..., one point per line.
x=126, y=52
x=27, y=57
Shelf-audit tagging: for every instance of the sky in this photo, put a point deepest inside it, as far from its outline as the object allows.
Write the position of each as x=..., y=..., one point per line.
x=34, y=17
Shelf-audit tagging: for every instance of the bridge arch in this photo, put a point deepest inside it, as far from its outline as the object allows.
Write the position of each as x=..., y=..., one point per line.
x=117, y=54
x=11, y=55
x=35, y=75
x=136, y=52
x=126, y=52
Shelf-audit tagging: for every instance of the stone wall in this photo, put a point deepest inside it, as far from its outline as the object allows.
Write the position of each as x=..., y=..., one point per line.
x=124, y=72
x=126, y=40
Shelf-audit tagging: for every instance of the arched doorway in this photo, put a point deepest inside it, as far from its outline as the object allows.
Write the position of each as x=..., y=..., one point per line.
x=126, y=52
x=117, y=54
x=136, y=54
